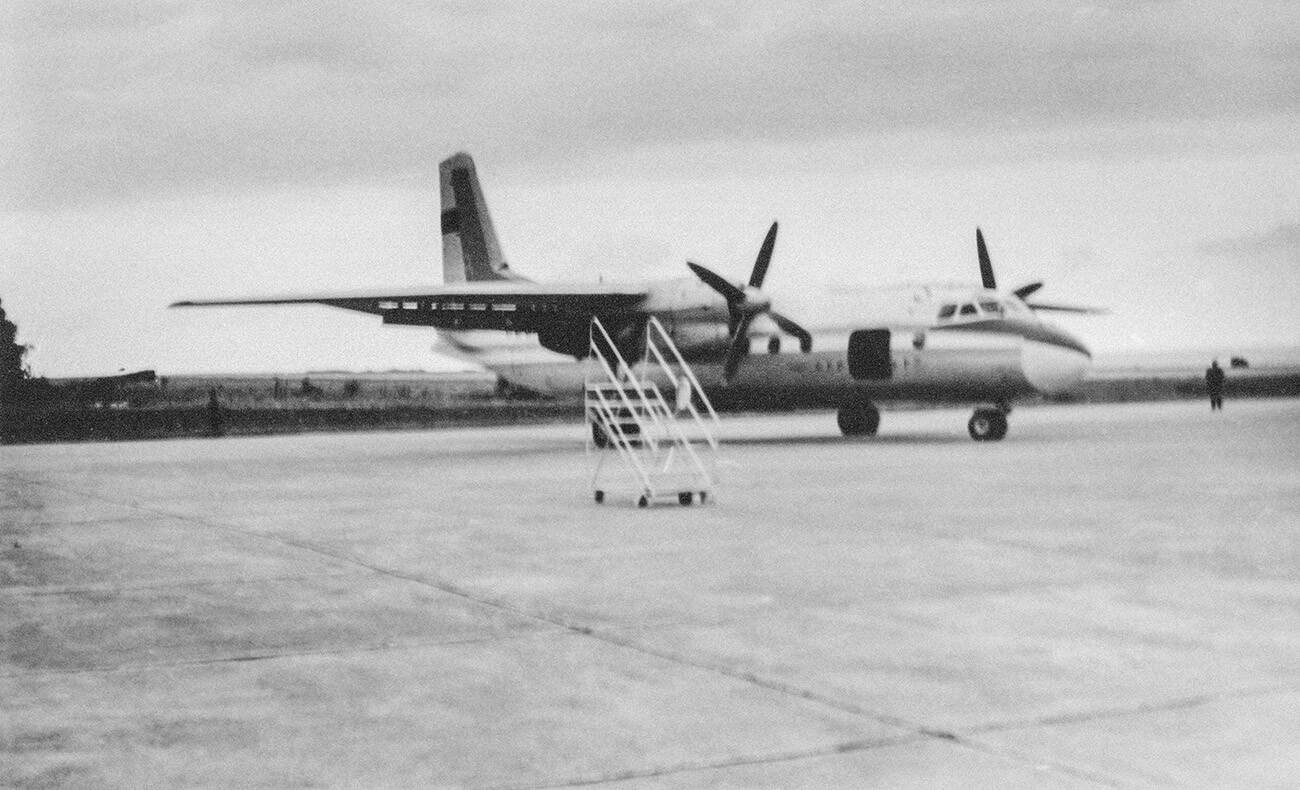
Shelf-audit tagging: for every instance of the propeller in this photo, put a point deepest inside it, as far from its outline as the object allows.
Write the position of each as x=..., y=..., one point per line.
x=747, y=303
x=1025, y=291
x=986, y=265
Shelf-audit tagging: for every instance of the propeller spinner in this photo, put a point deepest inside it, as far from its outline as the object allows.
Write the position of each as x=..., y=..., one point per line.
x=747, y=303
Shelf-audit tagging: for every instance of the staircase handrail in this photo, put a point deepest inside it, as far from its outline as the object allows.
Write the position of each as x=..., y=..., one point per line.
x=690, y=377
x=619, y=439
x=623, y=368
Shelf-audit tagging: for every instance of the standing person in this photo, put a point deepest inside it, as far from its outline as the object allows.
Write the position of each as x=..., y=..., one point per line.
x=1214, y=385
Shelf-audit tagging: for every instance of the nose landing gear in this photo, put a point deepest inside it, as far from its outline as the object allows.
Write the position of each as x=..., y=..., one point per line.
x=988, y=424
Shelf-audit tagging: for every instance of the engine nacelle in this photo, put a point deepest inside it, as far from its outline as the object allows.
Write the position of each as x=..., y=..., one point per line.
x=572, y=340
x=704, y=339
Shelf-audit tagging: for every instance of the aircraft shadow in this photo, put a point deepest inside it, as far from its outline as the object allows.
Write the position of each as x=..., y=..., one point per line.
x=909, y=439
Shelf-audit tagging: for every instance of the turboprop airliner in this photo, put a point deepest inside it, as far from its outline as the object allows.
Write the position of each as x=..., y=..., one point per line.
x=916, y=343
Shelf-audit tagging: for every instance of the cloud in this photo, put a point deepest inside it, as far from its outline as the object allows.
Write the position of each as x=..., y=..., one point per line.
x=118, y=99
x=1283, y=239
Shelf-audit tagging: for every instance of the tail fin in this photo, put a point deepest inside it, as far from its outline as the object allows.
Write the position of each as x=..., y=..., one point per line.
x=470, y=251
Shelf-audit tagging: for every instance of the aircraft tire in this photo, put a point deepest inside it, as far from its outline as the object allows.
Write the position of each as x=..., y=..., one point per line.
x=862, y=420
x=987, y=425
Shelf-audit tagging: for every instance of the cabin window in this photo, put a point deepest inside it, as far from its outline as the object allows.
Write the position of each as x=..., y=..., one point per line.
x=453, y=306
x=410, y=305
x=503, y=308
x=991, y=307
x=947, y=311
x=478, y=307
x=388, y=305
x=969, y=309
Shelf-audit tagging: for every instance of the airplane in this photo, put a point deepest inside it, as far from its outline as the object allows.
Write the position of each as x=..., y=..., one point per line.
x=925, y=342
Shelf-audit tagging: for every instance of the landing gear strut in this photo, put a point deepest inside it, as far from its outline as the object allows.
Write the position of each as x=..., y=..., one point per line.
x=988, y=424
x=860, y=419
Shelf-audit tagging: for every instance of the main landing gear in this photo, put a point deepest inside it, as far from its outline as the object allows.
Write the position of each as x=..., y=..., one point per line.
x=860, y=419
x=988, y=424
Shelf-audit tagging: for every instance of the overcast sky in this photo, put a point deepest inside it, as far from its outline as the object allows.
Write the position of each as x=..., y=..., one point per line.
x=1140, y=155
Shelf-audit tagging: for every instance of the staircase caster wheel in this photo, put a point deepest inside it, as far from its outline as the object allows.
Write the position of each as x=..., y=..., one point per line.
x=600, y=497
x=685, y=498
x=643, y=501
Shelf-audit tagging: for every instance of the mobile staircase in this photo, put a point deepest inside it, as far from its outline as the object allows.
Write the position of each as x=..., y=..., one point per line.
x=667, y=445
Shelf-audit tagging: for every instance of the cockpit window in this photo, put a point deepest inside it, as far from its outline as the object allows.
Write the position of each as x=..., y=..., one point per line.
x=969, y=309
x=947, y=311
x=991, y=307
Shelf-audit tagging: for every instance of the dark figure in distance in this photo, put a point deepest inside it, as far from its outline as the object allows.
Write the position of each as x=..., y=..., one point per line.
x=1214, y=385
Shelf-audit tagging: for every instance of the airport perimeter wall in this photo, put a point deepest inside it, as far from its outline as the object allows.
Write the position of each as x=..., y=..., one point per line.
x=119, y=424
x=246, y=408
x=1135, y=386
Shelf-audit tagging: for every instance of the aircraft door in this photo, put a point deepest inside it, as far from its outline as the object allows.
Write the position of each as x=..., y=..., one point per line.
x=869, y=354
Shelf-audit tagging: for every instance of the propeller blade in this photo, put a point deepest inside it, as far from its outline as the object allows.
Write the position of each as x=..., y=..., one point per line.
x=739, y=347
x=1025, y=290
x=793, y=329
x=986, y=266
x=764, y=258
x=731, y=293
x=1065, y=308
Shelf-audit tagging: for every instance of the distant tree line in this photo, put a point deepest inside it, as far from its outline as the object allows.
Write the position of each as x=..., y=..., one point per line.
x=12, y=372
x=17, y=386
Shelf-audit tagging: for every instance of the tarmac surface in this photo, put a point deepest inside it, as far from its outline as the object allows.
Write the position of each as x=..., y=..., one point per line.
x=1108, y=598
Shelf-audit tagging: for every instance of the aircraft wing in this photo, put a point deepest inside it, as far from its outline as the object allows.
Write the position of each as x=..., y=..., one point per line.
x=514, y=306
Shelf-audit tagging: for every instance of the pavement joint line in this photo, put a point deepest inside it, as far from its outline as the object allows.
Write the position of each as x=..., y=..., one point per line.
x=90, y=521
x=1135, y=565
x=969, y=737
x=109, y=587
x=274, y=655
x=692, y=766
x=1036, y=763
x=1000, y=589
x=1177, y=703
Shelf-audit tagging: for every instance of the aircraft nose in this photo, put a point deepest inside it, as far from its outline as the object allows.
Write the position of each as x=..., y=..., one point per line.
x=1054, y=361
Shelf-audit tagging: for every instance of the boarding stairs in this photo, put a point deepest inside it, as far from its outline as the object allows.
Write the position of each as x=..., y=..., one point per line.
x=653, y=417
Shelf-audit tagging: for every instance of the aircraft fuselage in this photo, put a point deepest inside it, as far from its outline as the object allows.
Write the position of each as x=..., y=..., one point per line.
x=986, y=356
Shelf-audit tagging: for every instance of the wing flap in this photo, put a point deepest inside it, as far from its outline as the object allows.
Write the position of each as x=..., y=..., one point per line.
x=516, y=307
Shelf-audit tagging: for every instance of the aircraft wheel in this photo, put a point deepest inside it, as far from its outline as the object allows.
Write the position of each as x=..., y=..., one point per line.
x=643, y=501
x=600, y=497
x=685, y=498
x=862, y=420
x=987, y=425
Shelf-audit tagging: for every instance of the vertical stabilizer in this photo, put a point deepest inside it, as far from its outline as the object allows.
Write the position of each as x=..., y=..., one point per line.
x=470, y=251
